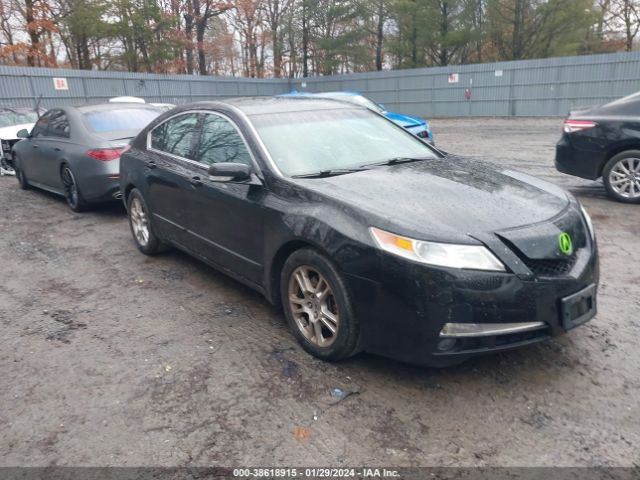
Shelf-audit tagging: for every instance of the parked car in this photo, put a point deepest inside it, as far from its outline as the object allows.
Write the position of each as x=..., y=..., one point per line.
x=604, y=141
x=12, y=120
x=368, y=237
x=418, y=126
x=75, y=151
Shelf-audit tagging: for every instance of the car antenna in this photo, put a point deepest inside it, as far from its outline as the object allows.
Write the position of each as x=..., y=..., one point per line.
x=37, y=107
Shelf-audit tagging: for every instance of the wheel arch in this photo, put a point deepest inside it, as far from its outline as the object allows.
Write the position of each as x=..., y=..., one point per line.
x=618, y=150
x=280, y=257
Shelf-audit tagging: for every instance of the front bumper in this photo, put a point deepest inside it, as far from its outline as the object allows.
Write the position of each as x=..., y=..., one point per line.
x=403, y=308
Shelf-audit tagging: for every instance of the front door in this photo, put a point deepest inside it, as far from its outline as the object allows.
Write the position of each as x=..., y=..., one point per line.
x=226, y=219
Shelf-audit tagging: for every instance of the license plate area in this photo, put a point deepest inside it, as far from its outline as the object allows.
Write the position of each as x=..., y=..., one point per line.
x=578, y=308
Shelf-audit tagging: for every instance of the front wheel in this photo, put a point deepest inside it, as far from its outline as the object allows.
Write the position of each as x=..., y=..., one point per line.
x=71, y=190
x=318, y=306
x=621, y=177
x=140, y=225
x=20, y=176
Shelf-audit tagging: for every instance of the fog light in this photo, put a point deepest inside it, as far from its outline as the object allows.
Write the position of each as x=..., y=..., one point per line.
x=446, y=344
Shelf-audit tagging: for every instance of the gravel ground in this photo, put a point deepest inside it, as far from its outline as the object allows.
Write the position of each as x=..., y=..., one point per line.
x=108, y=357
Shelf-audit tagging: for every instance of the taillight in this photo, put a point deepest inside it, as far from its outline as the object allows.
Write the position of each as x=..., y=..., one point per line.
x=106, y=154
x=571, y=126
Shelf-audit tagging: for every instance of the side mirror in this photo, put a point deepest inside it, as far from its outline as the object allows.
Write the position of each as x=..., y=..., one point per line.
x=24, y=133
x=229, y=172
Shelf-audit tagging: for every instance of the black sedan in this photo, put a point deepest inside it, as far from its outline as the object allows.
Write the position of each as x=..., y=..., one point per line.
x=368, y=238
x=604, y=141
x=75, y=151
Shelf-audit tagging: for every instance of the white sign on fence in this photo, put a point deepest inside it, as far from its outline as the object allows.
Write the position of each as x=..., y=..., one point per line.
x=60, y=83
x=453, y=78
x=498, y=73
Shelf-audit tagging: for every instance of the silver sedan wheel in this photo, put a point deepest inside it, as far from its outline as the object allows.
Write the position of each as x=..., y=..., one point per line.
x=139, y=222
x=313, y=306
x=624, y=178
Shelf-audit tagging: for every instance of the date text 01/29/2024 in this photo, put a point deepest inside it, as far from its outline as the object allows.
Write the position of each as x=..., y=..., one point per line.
x=314, y=473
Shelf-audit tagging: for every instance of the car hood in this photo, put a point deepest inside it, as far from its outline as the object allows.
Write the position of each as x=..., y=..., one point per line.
x=11, y=132
x=449, y=199
x=405, y=121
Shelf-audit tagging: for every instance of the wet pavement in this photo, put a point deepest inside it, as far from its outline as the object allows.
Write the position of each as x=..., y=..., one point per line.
x=108, y=357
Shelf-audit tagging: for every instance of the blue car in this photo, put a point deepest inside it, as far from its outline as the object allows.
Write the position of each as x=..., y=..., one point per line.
x=415, y=125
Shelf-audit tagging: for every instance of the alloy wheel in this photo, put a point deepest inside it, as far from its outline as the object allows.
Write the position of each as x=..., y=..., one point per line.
x=313, y=306
x=139, y=221
x=70, y=187
x=624, y=178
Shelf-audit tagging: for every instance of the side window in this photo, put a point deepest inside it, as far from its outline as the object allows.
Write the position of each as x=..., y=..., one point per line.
x=221, y=142
x=41, y=126
x=176, y=136
x=59, y=125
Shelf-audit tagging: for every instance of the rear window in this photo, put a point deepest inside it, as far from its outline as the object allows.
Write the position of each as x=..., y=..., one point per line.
x=115, y=120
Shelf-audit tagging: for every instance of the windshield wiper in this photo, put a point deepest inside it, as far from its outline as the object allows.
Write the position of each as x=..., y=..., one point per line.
x=328, y=173
x=394, y=161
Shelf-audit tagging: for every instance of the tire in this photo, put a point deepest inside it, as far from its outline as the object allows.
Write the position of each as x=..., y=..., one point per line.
x=141, y=229
x=72, y=192
x=621, y=177
x=307, y=315
x=20, y=176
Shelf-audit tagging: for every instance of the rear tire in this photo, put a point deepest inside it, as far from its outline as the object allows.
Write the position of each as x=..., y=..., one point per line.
x=72, y=192
x=140, y=225
x=318, y=306
x=621, y=177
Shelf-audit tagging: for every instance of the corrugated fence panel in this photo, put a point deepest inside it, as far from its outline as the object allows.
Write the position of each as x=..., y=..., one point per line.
x=548, y=87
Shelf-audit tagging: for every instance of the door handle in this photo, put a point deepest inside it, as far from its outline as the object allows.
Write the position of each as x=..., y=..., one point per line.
x=35, y=146
x=57, y=149
x=151, y=164
x=196, y=181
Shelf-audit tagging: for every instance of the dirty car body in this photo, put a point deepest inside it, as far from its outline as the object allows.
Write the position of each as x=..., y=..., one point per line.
x=529, y=285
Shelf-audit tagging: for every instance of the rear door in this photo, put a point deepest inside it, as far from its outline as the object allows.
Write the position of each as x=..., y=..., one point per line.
x=225, y=219
x=169, y=167
x=54, y=146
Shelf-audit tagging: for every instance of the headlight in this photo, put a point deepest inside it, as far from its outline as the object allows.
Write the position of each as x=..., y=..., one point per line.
x=587, y=220
x=450, y=255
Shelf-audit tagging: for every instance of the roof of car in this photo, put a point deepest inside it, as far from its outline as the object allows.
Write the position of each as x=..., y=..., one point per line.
x=101, y=107
x=263, y=105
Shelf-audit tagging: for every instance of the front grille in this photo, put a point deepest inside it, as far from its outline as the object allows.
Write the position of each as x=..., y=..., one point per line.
x=551, y=267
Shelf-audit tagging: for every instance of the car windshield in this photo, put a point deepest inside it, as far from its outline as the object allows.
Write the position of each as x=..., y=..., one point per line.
x=310, y=141
x=17, y=116
x=122, y=119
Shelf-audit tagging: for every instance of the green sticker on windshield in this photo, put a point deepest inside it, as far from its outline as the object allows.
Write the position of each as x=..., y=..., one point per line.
x=566, y=244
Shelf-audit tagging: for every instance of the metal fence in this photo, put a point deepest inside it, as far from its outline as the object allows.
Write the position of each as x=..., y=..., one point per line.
x=546, y=87
x=20, y=86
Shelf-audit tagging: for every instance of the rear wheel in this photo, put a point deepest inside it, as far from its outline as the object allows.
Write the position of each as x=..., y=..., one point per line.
x=621, y=177
x=318, y=306
x=72, y=191
x=139, y=222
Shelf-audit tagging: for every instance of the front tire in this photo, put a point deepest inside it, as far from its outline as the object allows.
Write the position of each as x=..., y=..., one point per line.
x=20, y=176
x=318, y=306
x=140, y=225
x=72, y=192
x=621, y=177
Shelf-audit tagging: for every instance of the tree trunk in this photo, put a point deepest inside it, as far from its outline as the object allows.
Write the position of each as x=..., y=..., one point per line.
x=305, y=40
x=380, y=35
x=34, y=36
x=188, y=32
